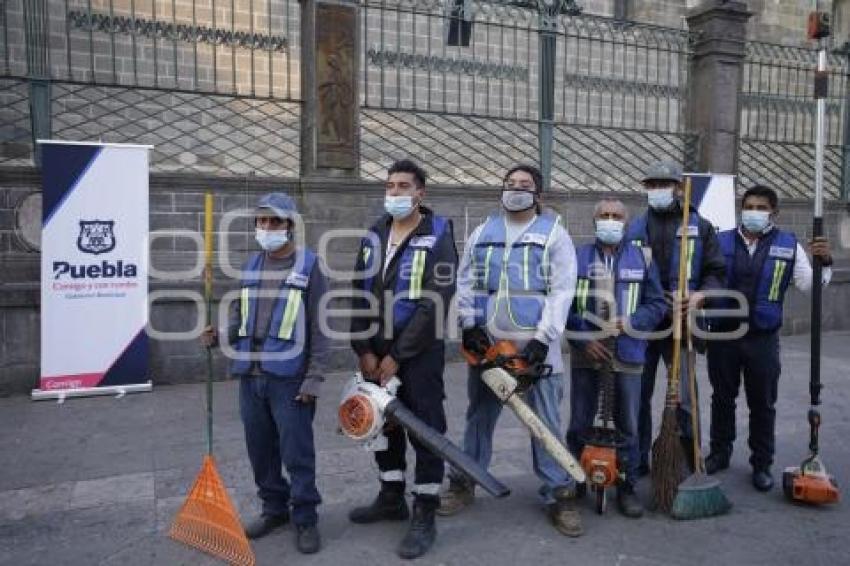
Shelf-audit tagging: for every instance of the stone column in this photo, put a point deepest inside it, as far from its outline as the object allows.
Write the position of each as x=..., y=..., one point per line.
x=330, y=124
x=716, y=73
x=38, y=71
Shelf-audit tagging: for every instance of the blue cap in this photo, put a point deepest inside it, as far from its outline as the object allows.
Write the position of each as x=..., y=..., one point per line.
x=281, y=204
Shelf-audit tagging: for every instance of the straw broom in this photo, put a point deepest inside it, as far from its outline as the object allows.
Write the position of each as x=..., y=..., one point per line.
x=668, y=456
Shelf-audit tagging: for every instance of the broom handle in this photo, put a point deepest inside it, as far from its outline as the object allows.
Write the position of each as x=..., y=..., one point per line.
x=673, y=383
x=208, y=251
x=699, y=464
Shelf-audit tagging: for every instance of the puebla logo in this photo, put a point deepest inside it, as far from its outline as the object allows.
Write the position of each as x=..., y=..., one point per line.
x=96, y=236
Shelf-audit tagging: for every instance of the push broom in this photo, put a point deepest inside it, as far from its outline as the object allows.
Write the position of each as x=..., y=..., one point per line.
x=208, y=519
x=699, y=496
x=668, y=457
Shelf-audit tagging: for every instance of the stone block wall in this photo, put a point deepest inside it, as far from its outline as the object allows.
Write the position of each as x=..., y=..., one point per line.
x=176, y=204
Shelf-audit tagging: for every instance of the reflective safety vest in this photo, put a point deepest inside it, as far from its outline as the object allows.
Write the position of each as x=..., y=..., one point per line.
x=630, y=271
x=410, y=266
x=773, y=272
x=637, y=233
x=516, y=276
x=286, y=339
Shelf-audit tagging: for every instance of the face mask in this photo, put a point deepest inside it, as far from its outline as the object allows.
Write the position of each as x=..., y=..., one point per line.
x=271, y=240
x=609, y=231
x=755, y=221
x=660, y=199
x=517, y=201
x=398, y=206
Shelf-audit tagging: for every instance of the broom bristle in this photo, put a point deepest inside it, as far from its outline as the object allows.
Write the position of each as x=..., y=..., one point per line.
x=699, y=497
x=668, y=462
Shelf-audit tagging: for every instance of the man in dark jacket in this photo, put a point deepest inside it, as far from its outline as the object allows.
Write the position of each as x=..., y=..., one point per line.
x=407, y=265
x=659, y=230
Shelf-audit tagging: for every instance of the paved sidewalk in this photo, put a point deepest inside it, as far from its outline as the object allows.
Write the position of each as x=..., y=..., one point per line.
x=98, y=481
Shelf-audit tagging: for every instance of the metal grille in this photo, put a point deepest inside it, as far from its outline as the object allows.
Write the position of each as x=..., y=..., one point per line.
x=456, y=84
x=213, y=84
x=213, y=134
x=777, y=135
x=15, y=135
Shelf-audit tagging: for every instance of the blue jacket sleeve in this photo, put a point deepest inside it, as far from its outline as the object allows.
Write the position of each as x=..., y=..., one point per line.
x=653, y=306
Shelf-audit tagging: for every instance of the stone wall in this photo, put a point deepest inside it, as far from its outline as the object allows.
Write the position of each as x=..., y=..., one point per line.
x=176, y=204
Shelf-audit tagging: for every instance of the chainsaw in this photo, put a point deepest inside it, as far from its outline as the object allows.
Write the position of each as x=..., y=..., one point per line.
x=599, y=457
x=508, y=374
x=366, y=408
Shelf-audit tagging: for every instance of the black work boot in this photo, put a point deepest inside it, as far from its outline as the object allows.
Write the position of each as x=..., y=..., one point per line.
x=388, y=506
x=628, y=502
x=762, y=480
x=716, y=462
x=307, y=539
x=422, y=532
x=264, y=524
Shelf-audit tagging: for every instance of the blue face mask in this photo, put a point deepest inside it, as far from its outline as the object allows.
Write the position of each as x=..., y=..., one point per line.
x=271, y=240
x=755, y=221
x=398, y=206
x=609, y=231
x=660, y=199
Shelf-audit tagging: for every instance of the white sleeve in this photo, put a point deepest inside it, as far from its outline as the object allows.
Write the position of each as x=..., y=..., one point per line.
x=562, y=258
x=465, y=294
x=803, y=273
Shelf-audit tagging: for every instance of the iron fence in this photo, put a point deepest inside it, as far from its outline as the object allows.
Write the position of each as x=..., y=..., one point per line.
x=777, y=126
x=214, y=85
x=459, y=83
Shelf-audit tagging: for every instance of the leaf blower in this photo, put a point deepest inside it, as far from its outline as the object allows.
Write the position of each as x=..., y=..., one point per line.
x=509, y=375
x=366, y=407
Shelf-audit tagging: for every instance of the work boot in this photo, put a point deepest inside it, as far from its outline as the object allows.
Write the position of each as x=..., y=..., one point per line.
x=264, y=524
x=456, y=497
x=564, y=515
x=716, y=462
x=762, y=480
x=628, y=501
x=388, y=506
x=307, y=539
x=422, y=532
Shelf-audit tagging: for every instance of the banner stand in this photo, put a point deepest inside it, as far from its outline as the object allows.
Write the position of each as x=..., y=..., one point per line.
x=118, y=390
x=94, y=270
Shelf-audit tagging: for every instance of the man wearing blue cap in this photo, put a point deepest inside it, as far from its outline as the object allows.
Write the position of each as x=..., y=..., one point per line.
x=274, y=331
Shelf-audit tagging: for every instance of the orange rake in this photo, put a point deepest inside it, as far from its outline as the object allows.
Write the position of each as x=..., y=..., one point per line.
x=208, y=519
x=209, y=522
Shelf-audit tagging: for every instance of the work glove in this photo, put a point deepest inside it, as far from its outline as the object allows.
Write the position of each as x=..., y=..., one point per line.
x=535, y=352
x=475, y=340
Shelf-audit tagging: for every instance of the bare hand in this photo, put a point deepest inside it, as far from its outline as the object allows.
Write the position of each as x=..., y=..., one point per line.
x=820, y=248
x=368, y=365
x=387, y=370
x=305, y=398
x=597, y=352
x=209, y=337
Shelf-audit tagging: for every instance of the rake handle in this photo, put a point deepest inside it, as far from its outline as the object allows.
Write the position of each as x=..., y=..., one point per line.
x=208, y=278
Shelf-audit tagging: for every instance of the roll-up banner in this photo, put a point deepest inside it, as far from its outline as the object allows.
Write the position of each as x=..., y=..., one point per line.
x=94, y=269
x=714, y=197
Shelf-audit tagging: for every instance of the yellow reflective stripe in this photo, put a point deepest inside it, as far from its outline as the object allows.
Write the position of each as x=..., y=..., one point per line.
x=583, y=287
x=631, y=304
x=243, y=308
x=290, y=315
x=487, y=257
x=416, y=273
x=525, y=267
x=778, y=272
x=691, y=244
x=367, y=252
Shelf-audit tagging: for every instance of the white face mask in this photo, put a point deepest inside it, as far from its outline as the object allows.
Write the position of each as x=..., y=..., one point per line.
x=661, y=198
x=398, y=206
x=609, y=231
x=271, y=240
x=517, y=201
x=755, y=221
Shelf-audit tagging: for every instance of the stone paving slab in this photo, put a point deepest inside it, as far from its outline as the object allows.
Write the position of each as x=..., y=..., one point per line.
x=98, y=481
